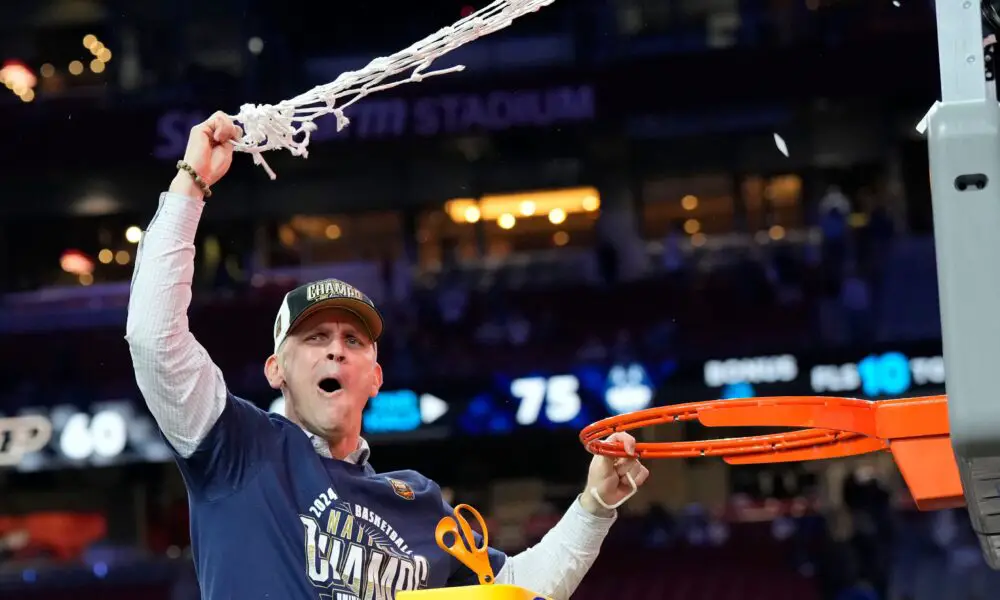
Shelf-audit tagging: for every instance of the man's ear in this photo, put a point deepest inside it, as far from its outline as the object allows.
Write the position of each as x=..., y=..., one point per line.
x=273, y=372
x=376, y=381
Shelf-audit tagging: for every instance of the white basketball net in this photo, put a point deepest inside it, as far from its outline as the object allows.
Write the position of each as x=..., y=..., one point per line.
x=290, y=123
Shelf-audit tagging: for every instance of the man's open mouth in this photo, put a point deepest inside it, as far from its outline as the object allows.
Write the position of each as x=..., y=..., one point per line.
x=329, y=385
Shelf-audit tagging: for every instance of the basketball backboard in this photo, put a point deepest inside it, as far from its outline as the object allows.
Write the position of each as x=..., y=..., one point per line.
x=963, y=132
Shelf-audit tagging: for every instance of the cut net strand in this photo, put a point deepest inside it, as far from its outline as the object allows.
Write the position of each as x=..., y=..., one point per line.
x=290, y=123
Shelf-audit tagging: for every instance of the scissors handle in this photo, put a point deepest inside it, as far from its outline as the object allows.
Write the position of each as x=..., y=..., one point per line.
x=463, y=546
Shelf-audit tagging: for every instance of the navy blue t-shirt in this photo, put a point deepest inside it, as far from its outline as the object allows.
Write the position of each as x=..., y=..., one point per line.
x=270, y=518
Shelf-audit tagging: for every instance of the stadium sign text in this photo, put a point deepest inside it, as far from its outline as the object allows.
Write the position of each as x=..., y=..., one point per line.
x=448, y=114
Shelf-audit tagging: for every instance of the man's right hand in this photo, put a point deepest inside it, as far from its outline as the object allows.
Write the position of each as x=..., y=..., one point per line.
x=209, y=152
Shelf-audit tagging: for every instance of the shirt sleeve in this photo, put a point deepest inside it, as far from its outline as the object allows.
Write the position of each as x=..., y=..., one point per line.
x=231, y=453
x=216, y=437
x=558, y=563
x=183, y=388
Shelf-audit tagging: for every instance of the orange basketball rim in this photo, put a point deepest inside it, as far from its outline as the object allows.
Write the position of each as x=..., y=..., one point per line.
x=915, y=430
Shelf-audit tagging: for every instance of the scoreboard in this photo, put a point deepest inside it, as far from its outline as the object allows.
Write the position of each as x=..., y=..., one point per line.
x=122, y=431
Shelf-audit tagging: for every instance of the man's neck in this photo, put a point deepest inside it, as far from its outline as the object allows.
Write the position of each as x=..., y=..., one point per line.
x=339, y=449
x=342, y=448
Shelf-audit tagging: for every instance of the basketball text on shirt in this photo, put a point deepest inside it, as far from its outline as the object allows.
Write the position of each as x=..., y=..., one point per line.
x=355, y=554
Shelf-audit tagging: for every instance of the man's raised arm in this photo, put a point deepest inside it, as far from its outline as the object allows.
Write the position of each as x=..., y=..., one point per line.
x=558, y=563
x=183, y=388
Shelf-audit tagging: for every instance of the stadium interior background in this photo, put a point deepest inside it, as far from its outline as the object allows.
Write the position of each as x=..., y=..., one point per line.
x=595, y=217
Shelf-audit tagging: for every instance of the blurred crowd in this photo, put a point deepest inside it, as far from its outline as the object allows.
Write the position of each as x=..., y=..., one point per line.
x=750, y=293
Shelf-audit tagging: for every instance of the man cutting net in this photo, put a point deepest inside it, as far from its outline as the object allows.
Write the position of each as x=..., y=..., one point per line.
x=291, y=507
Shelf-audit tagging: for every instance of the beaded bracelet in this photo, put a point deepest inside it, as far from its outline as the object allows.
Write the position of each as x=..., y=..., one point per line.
x=183, y=166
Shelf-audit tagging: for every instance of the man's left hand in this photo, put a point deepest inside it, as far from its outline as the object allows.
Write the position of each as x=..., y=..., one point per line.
x=609, y=477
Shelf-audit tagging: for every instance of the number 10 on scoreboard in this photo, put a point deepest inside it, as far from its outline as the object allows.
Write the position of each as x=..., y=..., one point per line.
x=559, y=394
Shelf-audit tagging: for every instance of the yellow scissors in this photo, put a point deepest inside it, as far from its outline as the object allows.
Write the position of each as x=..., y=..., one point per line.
x=464, y=545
